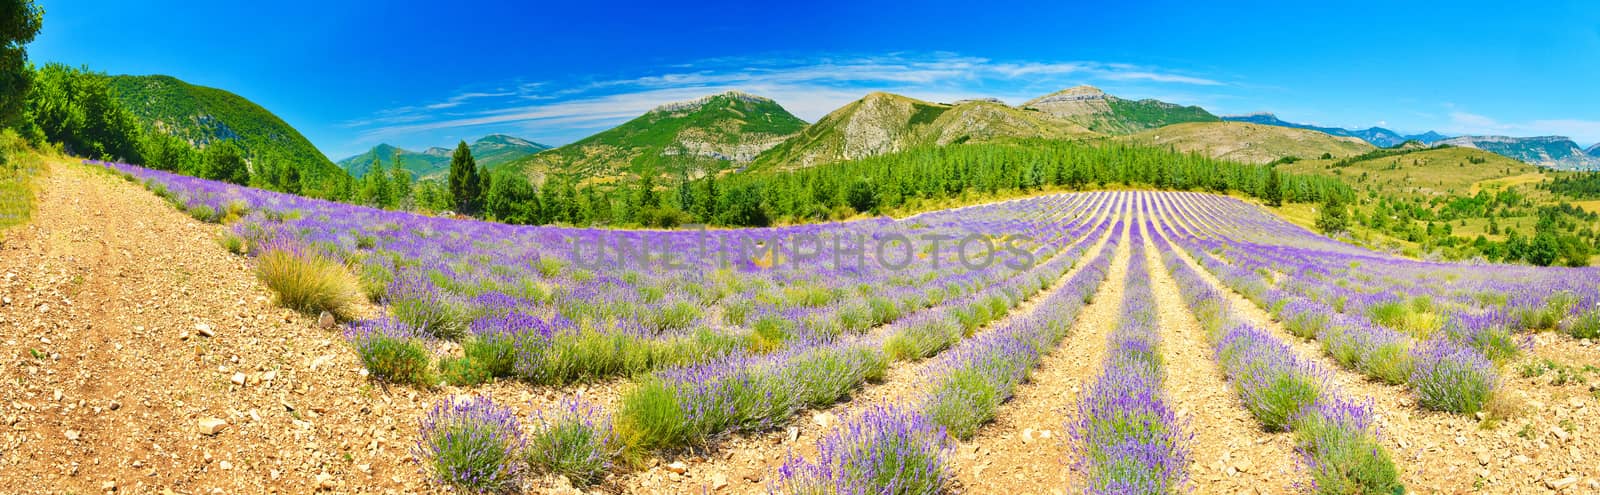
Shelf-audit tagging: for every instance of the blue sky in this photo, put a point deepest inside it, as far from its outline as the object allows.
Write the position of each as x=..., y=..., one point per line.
x=351, y=74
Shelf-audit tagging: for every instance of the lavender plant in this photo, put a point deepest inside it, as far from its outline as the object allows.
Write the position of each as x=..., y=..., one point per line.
x=472, y=445
x=884, y=451
x=575, y=440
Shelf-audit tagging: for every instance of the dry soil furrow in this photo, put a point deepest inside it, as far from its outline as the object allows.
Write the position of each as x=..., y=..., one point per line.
x=1229, y=453
x=748, y=462
x=1440, y=452
x=1025, y=449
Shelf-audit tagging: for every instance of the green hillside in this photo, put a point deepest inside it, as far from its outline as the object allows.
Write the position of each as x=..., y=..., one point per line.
x=691, y=138
x=489, y=151
x=202, y=115
x=1099, y=112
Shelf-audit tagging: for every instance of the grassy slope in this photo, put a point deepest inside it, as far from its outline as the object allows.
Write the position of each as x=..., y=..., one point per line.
x=1426, y=172
x=203, y=115
x=1250, y=143
x=655, y=142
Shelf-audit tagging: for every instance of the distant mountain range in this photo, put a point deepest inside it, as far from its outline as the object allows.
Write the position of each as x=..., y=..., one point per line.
x=1556, y=152
x=736, y=131
x=489, y=151
x=1378, y=136
x=1551, y=151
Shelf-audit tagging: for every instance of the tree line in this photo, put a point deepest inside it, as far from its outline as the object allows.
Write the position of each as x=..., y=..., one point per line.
x=903, y=181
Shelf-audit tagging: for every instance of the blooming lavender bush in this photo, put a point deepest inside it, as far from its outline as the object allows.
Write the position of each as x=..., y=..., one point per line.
x=1452, y=377
x=1340, y=447
x=575, y=440
x=472, y=445
x=884, y=451
x=391, y=351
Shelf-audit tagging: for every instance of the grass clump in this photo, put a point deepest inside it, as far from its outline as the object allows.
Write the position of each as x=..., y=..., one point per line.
x=576, y=440
x=921, y=339
x=309, y=281
x=472, y=445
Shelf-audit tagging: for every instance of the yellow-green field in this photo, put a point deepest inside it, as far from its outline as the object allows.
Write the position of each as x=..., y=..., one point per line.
x=1428, y=172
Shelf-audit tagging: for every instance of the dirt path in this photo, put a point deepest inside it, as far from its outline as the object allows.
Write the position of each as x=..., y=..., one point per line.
x=747, y=463
x=1025, y=449
x=1440, y=452
x=1229, y=452
x=109, y=292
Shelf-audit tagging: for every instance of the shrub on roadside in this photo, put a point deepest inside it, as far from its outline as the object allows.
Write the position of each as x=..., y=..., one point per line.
x=308, y=281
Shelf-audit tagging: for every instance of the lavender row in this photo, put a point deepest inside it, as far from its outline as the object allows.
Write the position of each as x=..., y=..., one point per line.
x=904, y=449
x=1126, y=437
x=1445, y=373
x=1335, y=435
x=688, y=405
x=1458, y=298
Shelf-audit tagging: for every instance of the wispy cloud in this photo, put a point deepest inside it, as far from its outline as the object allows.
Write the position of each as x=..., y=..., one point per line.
x=807, y=86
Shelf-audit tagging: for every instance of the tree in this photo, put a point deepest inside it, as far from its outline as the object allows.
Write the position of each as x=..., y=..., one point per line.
x=400, y=184
x=861, y=196
x=375, y=186
x=511, y=199
x=19, y=24
x=223, y=161
x=466, y=187
x=1333, y=218
x=1274, y=190
x=1544, y=249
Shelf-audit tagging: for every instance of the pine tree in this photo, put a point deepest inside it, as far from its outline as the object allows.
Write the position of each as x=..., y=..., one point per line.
x=1274, y=192
x=466, y=187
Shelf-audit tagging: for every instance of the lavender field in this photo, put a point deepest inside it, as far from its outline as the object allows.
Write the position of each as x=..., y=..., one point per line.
x=909, y=355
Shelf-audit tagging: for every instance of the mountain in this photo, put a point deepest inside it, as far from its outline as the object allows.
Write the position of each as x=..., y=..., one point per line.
x=692, y=137
x=489, y=151
x=1247, y=142
x=1556, y=152
x=885, y=123
x=1092, y=108
x=202, y=115
x=1378, y=136
x=1593, y=151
